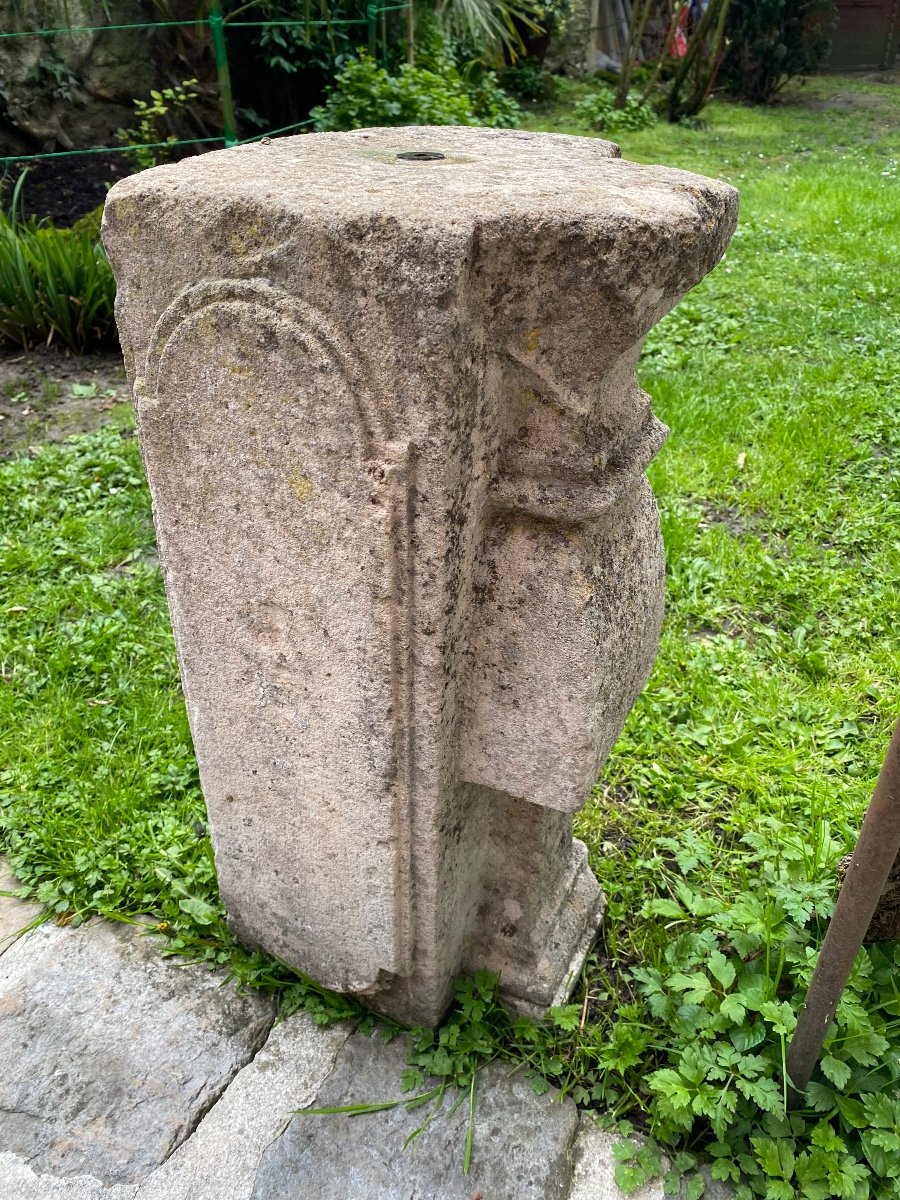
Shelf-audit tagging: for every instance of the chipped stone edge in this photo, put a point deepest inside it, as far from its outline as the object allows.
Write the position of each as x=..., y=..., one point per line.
x=17, y=917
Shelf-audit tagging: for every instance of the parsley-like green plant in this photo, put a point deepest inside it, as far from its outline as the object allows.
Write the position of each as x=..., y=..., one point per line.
x=598, y=110
x=693, y=1046
x=727, y=994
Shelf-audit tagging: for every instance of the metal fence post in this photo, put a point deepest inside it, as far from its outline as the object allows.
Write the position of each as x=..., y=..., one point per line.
x=870, y=866
x=217, y=27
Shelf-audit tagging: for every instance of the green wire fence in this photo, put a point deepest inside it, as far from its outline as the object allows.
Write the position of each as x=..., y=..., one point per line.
x=217, y=23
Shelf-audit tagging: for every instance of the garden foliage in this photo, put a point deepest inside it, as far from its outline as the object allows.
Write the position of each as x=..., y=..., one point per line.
x=770, y=41
x=598, y=110
x=149, y=140
x=526, y=79
x=56, y=285
x=365, y=94
x=302, y=60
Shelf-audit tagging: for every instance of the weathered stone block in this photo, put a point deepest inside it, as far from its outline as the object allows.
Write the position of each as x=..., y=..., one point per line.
x=396, y=448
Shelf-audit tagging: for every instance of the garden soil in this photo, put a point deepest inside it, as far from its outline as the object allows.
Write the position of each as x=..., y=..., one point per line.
x=47, y=395
x=64, y=189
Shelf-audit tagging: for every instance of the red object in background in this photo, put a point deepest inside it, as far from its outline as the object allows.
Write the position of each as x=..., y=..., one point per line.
x=679, y=46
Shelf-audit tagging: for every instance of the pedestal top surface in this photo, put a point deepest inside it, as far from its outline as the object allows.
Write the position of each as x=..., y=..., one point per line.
x=482, y=174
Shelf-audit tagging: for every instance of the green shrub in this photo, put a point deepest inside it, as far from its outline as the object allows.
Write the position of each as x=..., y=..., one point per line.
x=365, y=94
x=491, y=104
x=463, y=62
x=598, y=110
x=770, y=41
x=153, y=118
x=527, y=80
x=55, y=284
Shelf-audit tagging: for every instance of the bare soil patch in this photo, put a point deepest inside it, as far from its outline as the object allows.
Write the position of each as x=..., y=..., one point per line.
x=64, y=189
x=47, y=395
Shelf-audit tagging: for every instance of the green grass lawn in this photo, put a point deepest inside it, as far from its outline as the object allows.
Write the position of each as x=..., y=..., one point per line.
x=745, y=766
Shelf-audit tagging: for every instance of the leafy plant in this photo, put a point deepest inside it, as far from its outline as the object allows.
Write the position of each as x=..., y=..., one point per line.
x=494, y=26
x=526, y=79
x=316, y=34
x=55, y=284
x=149, y=144
x=770, y=41
x=461, y=61
x=726, y=993
x=491, y=103
x=598, y=110
x=365, y=94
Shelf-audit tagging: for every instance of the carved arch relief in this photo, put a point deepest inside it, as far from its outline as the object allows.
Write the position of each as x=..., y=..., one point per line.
x=292, y=633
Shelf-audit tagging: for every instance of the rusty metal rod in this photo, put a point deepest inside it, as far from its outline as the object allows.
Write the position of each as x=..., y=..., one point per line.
x=867, y=874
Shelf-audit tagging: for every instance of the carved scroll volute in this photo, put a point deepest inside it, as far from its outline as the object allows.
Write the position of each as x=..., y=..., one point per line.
x=569, y=585
x=293, y=637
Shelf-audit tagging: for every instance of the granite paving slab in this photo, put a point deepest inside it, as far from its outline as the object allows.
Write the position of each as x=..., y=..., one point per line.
x=522, y=1148
x=112, y=1053
x=219, y=1161
x=127, y=1076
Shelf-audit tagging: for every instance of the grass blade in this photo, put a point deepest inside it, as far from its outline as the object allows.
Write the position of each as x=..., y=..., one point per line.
x=470, y=1127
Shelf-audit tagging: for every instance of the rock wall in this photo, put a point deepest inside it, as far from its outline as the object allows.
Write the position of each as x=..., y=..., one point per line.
x=70, y=91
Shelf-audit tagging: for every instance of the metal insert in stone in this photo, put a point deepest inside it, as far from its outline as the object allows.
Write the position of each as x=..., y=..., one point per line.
x=397, y=451
x=421, y=156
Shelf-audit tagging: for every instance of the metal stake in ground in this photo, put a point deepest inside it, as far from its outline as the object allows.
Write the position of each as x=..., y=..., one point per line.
x=870, y=866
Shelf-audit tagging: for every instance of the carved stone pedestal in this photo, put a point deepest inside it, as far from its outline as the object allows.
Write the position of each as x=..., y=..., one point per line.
x=386, y=401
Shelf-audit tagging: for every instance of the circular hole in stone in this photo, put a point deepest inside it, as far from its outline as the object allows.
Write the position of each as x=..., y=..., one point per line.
x=421, y=155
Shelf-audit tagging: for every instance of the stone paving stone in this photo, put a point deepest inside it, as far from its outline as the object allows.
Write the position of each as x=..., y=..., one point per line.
x=522, y=1150
x=18, y=1181
x=15, y=914
x=595, y=1171
x=120, y=1053
x=595, y=1168
x=111, y=1053
x=219, y=1161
